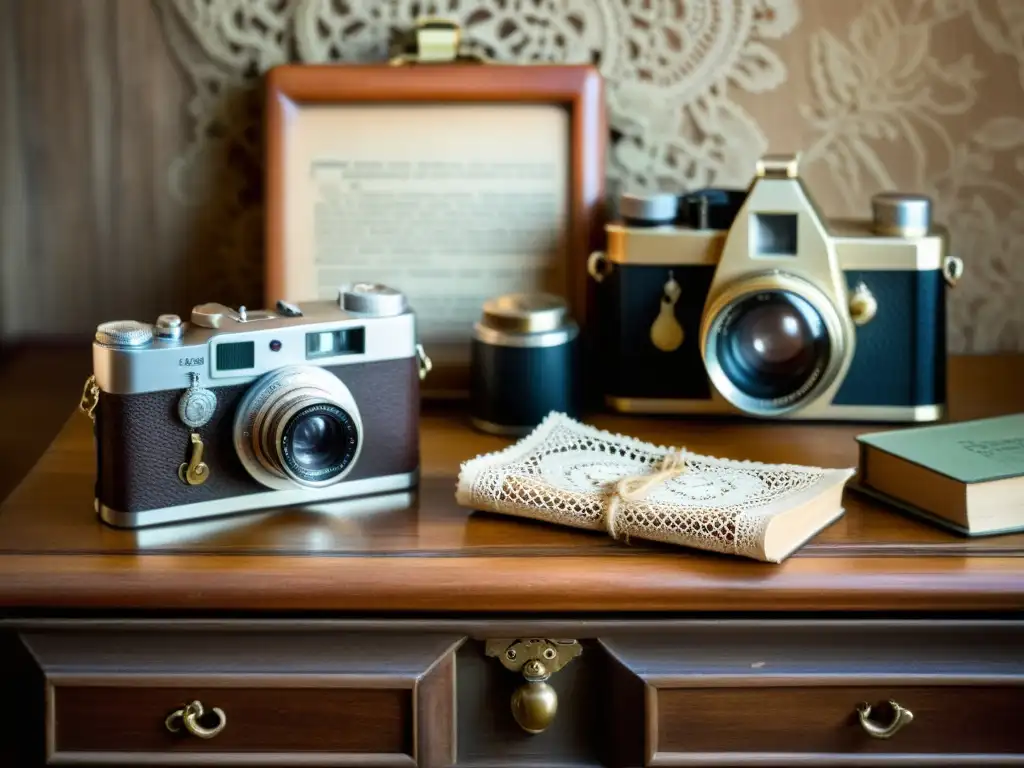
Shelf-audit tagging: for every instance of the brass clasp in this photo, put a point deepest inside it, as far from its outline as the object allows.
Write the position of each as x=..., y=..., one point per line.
x=535, y=703
x=434, y=41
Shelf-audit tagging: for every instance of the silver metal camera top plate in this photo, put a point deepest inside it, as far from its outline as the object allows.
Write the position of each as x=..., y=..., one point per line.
x=166, y=365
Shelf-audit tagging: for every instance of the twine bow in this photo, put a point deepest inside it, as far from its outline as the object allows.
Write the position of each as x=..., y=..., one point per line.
x=636, y=487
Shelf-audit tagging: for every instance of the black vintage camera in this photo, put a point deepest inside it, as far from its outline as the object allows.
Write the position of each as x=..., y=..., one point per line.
x=751, y=302
x=250, y=410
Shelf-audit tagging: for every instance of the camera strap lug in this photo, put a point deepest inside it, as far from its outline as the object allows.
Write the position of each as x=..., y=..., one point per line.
x=863, y=305
x=90, y=398
x=952, y=270
x=598, y=266
x=426, y=365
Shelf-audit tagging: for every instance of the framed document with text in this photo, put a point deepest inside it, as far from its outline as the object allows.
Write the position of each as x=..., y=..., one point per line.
x=451, y=182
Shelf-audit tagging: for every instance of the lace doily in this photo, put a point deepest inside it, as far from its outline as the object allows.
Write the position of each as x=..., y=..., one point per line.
x=565, y=472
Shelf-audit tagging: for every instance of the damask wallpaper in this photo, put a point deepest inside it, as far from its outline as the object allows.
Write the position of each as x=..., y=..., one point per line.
x=918, y=95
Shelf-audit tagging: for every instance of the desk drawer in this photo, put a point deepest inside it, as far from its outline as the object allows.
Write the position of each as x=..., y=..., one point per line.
x=108, y=721
x=824, y=720
x=132, y=698
x=785, y=693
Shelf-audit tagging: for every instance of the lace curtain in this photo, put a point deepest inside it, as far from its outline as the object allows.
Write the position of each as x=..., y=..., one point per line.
x=921, y=95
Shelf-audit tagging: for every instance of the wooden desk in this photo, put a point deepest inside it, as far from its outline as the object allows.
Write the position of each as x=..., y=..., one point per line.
x=355, y=633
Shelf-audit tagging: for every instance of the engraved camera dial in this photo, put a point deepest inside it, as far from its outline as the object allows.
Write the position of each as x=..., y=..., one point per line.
x=298, y=426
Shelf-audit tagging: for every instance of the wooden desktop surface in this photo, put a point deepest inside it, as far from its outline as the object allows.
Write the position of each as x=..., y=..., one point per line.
x=422, y=552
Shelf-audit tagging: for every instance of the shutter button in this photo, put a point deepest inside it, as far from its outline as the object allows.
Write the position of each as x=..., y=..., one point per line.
x=169, y=328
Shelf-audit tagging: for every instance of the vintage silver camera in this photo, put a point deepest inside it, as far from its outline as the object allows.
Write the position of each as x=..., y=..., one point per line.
x=752, y=302
x=243, y=410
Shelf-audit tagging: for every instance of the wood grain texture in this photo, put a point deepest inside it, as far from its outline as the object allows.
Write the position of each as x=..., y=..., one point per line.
x=430, y=554
x=436, y=707
x=93, y=118
x=37, y=389
x=275, y=719
x=751, y=653
x=785, y=693
x=721, y=692
x=823, y=720
x=321, y=697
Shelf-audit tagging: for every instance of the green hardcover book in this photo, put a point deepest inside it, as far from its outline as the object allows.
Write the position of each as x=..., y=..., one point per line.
x=967, y=476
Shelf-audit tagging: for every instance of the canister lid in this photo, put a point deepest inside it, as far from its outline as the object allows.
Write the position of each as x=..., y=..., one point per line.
x=525, y=313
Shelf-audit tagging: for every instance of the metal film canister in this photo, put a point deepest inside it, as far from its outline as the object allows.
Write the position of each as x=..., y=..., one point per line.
x=524, y=360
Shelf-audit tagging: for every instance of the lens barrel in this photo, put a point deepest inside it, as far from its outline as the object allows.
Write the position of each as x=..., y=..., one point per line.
x=772, y=344
x=298, y=425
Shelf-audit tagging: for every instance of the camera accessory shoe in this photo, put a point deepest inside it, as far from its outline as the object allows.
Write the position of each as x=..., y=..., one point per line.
x=195, y=409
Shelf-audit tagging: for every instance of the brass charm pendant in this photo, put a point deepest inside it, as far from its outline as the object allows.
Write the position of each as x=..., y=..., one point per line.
x=666, y=333
x=197, y=405
x=194, y=471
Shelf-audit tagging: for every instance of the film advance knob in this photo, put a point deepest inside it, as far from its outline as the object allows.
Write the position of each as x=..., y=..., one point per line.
x=124, y=333
x=372, y=299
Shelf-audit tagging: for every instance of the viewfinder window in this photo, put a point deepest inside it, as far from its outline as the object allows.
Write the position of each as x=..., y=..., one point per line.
x=342, y=341
x=237, y=356
x=773, y=234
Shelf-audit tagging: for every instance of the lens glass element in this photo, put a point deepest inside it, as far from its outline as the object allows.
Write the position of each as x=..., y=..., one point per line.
x=319, y=441
x=773, y=345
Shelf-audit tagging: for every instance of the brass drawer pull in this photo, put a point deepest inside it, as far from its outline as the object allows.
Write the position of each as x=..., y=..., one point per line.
x=534, y=703
x=189, y=716
x=900, y=717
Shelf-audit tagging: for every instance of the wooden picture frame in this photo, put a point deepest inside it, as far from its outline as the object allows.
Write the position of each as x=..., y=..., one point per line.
x=568, y=97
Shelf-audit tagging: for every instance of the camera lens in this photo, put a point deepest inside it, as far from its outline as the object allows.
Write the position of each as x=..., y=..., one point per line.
x=298, y=425
x=772, y=345
x=318, y=442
